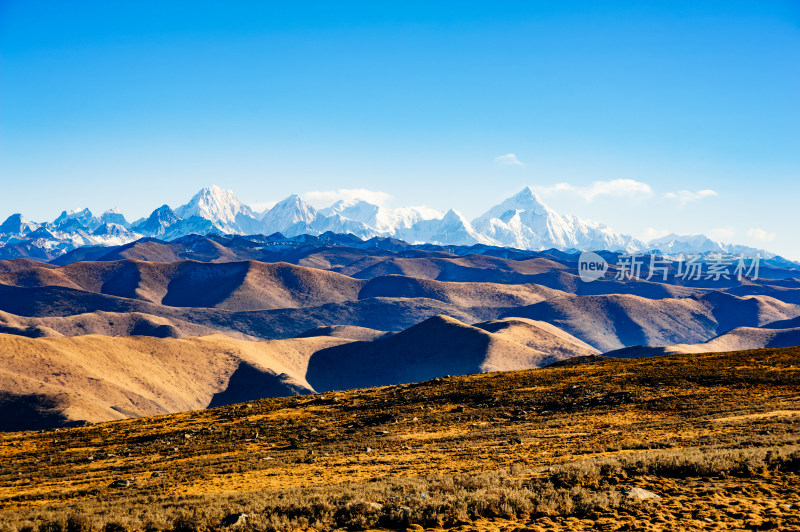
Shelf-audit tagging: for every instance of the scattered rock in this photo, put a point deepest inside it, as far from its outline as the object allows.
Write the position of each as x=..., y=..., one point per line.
x=122, y=483
x=231, y=520
x=367, y=449
x=640, y=494
x=155, y=474
x=458, y=410
x=518, y=441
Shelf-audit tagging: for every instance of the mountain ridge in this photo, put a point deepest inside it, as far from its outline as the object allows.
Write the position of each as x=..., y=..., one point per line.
x=522, y=221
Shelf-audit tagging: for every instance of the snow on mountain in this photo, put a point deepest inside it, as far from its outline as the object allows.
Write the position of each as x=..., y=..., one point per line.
x=452, y=229
x=73, y=218
x=673, y=244
x=384, y=221
x=110, y=229
x=336, y=223
x=17, y=225
x=114, y=216
x=292, y=216
x=524, y=221
x=157, y=223
x=194, y=225
x=223, y=209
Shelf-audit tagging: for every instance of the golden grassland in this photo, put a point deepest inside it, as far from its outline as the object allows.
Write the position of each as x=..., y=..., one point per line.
x=715, y=436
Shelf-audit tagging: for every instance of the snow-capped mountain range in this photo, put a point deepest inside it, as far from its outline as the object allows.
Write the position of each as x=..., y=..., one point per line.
x=522, y=221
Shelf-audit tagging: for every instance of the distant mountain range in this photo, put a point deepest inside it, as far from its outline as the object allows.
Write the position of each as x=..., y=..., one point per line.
x=522, y=221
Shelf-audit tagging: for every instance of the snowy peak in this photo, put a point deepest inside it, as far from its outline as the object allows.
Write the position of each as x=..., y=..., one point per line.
x=673, y=244
x=295, y=207
x=452, y=228
x=80, y=216
x=17, y=225
x=381, y=220
x=221, y=207
x=525, y=221
x=525, y=200
x=158, y=221
x=521, y=221
x=288, y=216
x=114, y=216
x=110, y=229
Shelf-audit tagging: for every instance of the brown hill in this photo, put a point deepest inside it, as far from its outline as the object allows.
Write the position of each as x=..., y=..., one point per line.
x=738, y=339
x=106, y=324
x=743, y=338
x=281, y=300
x=345, y=331
x=65, y=379
x=256, y=285
x=232, y=285
x=12, y=265
x=438, y=346
x=539, y=335
x=98, y=378
x=609, y=322
x=459, y=294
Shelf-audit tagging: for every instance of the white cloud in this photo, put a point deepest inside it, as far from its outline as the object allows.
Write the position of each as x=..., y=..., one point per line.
x=722, y=233
x=508, y=158
x=629, y=188
x=685, y=196
x=262, y=206
x=651, y=233
x=324, y=198
x=760, y=234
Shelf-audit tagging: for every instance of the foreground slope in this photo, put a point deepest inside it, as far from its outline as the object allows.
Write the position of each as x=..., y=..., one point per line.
x=714, y=436
x=62, y=380
x=54, y=381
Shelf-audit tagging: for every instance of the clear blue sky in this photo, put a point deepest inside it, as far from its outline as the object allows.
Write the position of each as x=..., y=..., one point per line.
x=138, y=103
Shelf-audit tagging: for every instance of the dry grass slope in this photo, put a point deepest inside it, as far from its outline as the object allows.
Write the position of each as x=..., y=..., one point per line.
x=98, y=378
x=715, y=436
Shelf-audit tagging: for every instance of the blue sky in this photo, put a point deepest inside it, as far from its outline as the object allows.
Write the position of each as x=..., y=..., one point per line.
x=648, y=116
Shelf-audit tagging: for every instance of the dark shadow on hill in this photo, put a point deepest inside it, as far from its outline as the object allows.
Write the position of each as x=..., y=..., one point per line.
x=30, y=331
x=249, y=383
x=147, y=328
x=124, y=282
x=30, y=412
x=205, y=285
x=431, y=349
